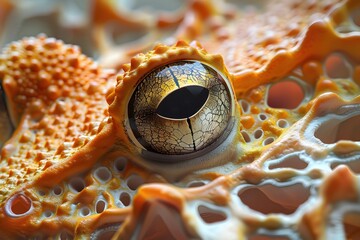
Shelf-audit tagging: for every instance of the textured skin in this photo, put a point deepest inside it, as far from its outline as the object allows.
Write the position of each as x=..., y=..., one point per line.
x=289, y=167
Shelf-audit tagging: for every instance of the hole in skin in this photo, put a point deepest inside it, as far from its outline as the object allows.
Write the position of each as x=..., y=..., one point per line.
x=134, y=181
x=77, y=184
x=330, y=132
x=125, y=198
x=41, y=193
x=282, y=123
x=57, y=190
x=353, y=165
x=19, y=205
x=245, y=106
x=290, y=162
x=269, y=198
x=120, y=164
x=209, y=215
x=100, y=206
x=102, y=174
x=285, y=94
x=246, y=136
x=48, y=213
x=349, y=129
x=258, y=133
x=336, y=67
x=268, y=141
x=85, y=211
x=262, y=117
x=183, y=102
x=351, y=224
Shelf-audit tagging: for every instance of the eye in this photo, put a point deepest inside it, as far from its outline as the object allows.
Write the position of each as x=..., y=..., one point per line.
x=180, y=108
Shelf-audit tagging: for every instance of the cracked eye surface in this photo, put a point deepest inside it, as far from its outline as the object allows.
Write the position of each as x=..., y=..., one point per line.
x=179, y=108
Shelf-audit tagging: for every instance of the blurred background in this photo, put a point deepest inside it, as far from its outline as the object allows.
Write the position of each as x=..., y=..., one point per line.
x=101, y=27
x=95, y=25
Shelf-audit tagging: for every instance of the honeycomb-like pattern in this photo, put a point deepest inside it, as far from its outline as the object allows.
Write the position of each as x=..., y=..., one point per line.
x=288, y=168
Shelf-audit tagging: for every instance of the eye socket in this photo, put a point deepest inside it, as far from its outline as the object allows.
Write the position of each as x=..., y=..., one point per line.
x=179, y=108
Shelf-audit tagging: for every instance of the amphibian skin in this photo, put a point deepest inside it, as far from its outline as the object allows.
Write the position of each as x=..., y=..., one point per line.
x=241, y=125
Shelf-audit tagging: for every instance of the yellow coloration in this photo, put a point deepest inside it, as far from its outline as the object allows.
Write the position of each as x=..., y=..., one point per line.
x=71, y=168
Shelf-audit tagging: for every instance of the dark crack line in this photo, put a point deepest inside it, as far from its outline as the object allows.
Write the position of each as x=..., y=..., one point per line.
x=192, y=134
x=175, y=78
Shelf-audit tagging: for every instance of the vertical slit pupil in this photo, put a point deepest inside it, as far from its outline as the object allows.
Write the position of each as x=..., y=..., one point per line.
x=183, y=102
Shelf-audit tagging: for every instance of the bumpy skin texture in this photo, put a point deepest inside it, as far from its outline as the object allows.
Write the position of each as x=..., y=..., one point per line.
x=289, y=170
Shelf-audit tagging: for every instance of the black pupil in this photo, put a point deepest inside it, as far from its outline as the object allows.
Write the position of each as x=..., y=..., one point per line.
x=183, y=102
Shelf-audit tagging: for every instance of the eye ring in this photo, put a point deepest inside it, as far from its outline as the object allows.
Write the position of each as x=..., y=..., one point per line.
x=183, y=129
